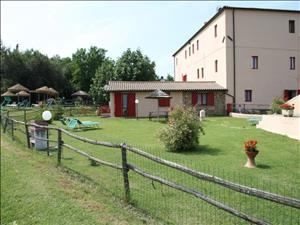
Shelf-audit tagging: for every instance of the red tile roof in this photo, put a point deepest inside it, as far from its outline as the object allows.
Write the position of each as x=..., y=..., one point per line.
x=162, y=85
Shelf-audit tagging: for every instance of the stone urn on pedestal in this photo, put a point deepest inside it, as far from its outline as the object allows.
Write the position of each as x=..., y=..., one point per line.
x=287, y=110
x=251, y=152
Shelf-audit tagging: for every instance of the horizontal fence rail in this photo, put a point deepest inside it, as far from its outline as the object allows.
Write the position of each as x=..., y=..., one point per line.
x=90, y=141
x=237, y=187
x=99, y=161
x=199, y=195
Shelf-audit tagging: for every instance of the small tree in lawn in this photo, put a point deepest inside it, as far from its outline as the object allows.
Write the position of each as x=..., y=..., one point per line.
x=182, y=132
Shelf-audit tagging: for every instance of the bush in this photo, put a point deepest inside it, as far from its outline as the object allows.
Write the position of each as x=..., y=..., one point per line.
x=275, y=107
x=58, y=111
x=182, y=132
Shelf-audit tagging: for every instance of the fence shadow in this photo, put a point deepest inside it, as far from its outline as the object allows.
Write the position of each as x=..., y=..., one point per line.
x=202, y=150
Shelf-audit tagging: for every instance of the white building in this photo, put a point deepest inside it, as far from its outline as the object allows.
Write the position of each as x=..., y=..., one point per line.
x=254, y=53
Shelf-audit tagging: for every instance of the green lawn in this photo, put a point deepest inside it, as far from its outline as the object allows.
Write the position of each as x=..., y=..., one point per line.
x=220, y=153
x=35, y=191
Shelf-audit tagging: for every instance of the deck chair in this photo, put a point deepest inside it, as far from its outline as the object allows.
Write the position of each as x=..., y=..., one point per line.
x=73, y=123
x=7, y=100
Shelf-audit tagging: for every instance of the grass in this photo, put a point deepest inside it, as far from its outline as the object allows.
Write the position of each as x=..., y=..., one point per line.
x=220, y=153
x=35, y=191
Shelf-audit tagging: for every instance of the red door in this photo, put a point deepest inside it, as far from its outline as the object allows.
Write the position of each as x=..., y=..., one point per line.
x=131, y=105
x=124, y=104
x=118, y=104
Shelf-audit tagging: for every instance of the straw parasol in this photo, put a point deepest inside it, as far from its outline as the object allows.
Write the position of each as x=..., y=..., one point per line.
x=42, y=90
x=17, y=88
x=158, y=94
x=8, y=94
x=53, y=92
x=23, y=94
x=80, y=93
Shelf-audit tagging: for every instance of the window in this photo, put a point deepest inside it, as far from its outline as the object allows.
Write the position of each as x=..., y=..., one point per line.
x=216, y=66
x=190, y=51
x=197, y=45
x=176, y=61
x=185, y=54
x=124, y=104
x=292, y=63
x=216, y=30
x=198, y=73
x=202, y=72
x=292, y=26
x=248, y=95
x=255, y=62
x=289, y=94
x=193, y=48
x=202, y=99
x=164, y=102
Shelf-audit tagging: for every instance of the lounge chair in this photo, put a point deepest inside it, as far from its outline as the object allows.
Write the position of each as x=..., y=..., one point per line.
x=73, y=123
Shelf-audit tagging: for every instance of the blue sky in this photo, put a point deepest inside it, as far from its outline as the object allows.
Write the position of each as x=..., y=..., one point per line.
x=157, y=28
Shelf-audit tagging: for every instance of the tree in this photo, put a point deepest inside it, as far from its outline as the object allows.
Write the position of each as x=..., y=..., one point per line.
x=134, y=66
x=170, y=77
x=104, y=73
x=84, y=66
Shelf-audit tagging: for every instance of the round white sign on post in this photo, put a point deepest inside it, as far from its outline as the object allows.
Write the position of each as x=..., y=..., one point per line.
x=47, y=115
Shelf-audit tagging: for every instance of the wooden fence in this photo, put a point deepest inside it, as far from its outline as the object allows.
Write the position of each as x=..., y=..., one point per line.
x=126, y=167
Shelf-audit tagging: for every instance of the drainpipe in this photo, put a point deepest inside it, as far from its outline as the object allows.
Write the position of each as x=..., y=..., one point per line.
x=174, y=66
x=234, y=81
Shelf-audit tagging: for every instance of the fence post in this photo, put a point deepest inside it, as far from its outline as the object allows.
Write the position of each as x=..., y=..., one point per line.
x=5, y=124
x=59, y=147
x=25, y=115
x=12, y=129
x=125, y=172
x=27, y=135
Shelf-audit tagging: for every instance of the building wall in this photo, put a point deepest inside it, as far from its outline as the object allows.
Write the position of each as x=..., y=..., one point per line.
x=257, y=33
x=211, y=48
x=179, y=98
x=266, y=35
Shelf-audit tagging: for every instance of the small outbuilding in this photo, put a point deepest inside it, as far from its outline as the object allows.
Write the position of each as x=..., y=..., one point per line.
x=128, y=96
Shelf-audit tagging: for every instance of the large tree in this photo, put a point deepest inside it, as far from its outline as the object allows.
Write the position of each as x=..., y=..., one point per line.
x=104, y=73
x=84, y=66
x=134, y=66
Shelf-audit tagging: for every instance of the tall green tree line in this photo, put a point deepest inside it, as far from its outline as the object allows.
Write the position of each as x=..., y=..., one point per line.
x=88, y=70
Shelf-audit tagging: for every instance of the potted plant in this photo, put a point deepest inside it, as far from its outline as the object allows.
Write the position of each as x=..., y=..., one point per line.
x=287, y=109
x=251, y=151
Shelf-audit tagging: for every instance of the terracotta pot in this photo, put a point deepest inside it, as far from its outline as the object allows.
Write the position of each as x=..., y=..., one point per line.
x=251, y=159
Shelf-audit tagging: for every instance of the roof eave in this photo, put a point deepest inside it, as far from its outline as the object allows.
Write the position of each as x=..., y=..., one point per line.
x=236, y=8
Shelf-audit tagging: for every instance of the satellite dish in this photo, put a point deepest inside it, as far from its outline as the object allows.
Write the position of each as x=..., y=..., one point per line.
x=47, y=115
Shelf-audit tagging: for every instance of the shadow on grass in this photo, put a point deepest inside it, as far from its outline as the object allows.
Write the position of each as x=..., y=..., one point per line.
x=87, y=129
x=202, y=150
x=263, y=166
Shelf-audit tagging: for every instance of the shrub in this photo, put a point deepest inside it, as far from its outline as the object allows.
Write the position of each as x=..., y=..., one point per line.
x=275, y=107
x=182, y=132
x=58, y=111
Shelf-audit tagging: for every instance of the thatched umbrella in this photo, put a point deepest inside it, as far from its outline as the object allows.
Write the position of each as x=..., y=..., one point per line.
x=158, y=94
x=22, y=94
x=8, y=94
x=42, y=90
x=53, y=92
x=17, y=88
x=80, y=94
